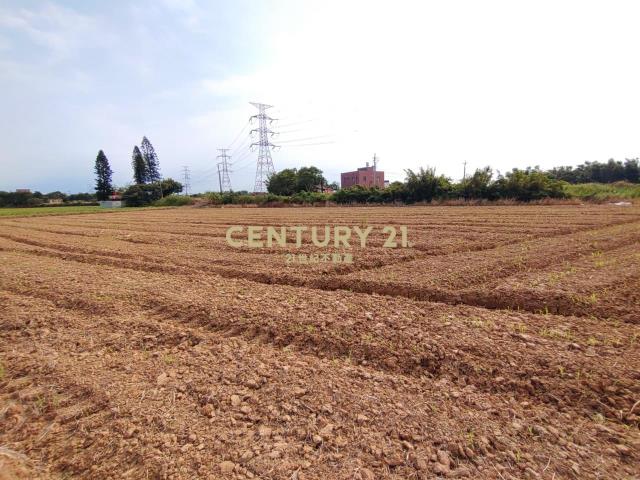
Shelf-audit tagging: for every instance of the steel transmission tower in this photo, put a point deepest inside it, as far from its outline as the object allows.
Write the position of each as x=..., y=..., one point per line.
x=223, y=175
x=265, y=163
x=186, y=177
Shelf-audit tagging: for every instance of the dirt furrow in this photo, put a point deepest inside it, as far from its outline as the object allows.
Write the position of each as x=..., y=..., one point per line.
x=433, y=339
x=181, y=411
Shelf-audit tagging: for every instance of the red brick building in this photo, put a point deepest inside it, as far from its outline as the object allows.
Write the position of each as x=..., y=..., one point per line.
x=365, y=176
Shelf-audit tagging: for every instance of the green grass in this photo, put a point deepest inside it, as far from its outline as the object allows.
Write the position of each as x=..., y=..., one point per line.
x=604, y=191
x=40, y=211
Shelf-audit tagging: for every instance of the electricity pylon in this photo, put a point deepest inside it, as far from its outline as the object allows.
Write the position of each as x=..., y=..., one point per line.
x=264, y=167
x=186, y=177
x=223, y=173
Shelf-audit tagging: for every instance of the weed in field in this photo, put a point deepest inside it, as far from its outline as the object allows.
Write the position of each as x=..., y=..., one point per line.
x=367, y=338
x=2, y=371
x=520, y=327
x=554, y=278
x=55, y=400
x=470, y=438
x=480, y=323
x=545, y=311
x=169, y=359
x=556, y=334
x=39, y=404
x=591, y=299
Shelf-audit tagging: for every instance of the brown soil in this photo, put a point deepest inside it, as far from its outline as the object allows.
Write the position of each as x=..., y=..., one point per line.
x=140, y=345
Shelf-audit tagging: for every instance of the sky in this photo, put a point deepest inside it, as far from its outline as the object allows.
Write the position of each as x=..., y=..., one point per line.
x=419, y=83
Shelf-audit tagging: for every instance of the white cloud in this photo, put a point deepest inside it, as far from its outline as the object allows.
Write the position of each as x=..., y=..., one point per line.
x=419, y=83
x=496, y=82
x=62, y=31
x=190, y=13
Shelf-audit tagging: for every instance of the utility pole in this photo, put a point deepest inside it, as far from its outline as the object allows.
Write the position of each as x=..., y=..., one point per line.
x=186, y=176
x=223, y=178
x=264, y=167
x=375, y=168
x=464, y=171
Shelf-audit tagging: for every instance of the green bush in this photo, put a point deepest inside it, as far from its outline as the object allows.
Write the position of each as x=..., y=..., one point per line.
x=425, y=185
x=291, y=181
x=212, y=198
x=396, y=192
x=308, y=198
x=476, y=186
x=174, y=201
x=526, y=185
x=147, y=193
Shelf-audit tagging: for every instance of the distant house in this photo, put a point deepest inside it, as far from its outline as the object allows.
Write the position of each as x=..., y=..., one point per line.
x=55, y=200
x=23, y=190
x=115, y=201
x=365, y=176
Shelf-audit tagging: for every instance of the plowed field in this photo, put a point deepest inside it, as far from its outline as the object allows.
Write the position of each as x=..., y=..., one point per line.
x=502, y=343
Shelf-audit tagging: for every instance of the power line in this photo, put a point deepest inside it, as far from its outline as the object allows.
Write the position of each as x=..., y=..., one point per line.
x=304, y=139
x=242, y=146
x=244, y=166
x=300, y=122
x=264, y=167
x=309, y=144
x=239, y=134
x=291, y=131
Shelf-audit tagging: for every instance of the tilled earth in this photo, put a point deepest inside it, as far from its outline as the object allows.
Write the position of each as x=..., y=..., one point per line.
x=504, y=343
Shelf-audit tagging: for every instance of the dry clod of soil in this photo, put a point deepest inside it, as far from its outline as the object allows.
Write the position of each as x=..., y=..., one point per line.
x=366, y=474
x=162, y=379
x=227, y=466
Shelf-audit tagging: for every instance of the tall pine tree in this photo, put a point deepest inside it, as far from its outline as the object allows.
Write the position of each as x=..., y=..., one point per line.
x=104, y=188
x=150, y=160
x=140, y=173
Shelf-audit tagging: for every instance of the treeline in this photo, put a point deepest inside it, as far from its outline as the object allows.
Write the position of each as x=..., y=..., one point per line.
x=34, y=199
x=598, y=172
x=425, y=186
x=292, y=181
x=149, y=185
